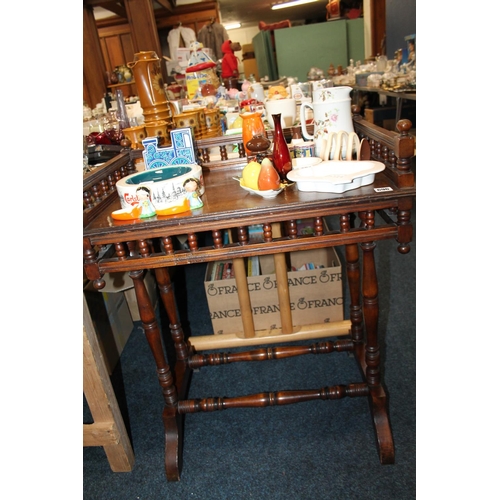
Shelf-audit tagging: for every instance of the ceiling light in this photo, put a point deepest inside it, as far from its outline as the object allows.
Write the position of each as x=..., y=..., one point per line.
x=290, y=4
x=232, y=26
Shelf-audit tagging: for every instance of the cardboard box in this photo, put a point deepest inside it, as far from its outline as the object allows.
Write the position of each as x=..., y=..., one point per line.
x=250, y=68
x=112, y=322
x=315, y=294
x=182, y=56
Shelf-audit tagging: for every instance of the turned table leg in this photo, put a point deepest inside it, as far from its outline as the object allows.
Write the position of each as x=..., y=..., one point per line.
x=377, y=397
x=171, y=420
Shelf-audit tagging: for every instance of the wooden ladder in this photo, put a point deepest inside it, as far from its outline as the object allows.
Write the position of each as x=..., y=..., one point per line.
x=108, y=429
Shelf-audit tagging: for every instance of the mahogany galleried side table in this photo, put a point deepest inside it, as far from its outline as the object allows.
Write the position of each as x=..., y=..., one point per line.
x=149, y=244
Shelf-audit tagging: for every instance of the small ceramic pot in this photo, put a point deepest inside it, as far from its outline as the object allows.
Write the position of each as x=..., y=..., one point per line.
x=158, y=129
x=135, y=135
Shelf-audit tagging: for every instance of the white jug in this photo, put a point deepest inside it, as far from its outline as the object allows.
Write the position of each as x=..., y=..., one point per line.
x=256, y=91
x=331, y=109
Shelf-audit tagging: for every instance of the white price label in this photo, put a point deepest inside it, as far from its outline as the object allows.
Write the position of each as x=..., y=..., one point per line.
x=381, y=190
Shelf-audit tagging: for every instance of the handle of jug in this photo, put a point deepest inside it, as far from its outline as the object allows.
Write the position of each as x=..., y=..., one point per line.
x=303, y=107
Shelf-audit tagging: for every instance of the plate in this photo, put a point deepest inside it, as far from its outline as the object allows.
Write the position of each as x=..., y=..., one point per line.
x=271, y=193
x=335, y=176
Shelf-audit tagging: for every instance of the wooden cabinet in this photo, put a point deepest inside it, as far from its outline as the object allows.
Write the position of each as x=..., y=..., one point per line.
x=117, y=49
x=112, y=42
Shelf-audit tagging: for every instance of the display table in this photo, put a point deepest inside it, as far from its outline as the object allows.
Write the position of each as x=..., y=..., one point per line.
x=149, y=244
x=398, y=96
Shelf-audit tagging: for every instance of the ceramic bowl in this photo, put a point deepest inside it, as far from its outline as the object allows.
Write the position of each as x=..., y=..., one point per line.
x=166, y=186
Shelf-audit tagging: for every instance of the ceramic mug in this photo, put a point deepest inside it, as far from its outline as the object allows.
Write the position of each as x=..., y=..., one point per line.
x=287, y=108
x=188, y=119
x=304, y=150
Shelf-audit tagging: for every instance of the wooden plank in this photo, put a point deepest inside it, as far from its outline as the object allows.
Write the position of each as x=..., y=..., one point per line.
x=115, y=51
x=309, y=332
x=100, y=433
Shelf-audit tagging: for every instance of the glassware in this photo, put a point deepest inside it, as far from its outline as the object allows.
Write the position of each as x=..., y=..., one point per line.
x=121, y=112
x=281, y=154
x=112, y=128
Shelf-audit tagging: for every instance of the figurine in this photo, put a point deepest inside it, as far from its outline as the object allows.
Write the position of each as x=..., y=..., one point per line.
x=229, y=66
x=192, y=187
x=143, y=194
x=411, y=54
x=142, y=209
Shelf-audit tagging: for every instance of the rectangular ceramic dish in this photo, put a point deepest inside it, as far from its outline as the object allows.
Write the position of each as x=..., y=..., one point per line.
x=336, y=176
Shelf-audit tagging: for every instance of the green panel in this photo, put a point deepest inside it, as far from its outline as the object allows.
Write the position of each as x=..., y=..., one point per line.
x=264, y=55
x=299, y=49
x=356, y=40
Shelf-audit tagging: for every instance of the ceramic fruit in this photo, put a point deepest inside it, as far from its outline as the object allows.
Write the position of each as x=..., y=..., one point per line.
x=268, y=176
x=250, y=175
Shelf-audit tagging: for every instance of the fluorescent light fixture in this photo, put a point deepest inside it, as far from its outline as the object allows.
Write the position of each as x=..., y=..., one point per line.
x=290, y=4
x=186, y=2
x=232, y=26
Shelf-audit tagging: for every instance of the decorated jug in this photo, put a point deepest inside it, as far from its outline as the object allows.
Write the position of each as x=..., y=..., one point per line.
x=149, y=82
x=331, y=109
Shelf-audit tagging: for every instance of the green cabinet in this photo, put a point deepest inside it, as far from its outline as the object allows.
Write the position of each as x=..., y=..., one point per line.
x=319, y=45
x=263, y=47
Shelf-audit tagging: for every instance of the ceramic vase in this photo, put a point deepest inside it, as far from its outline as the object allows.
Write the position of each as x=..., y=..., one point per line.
x=252, y=126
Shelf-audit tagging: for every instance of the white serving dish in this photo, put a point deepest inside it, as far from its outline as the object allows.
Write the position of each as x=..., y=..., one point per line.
x=335, y=176
x=307, y=161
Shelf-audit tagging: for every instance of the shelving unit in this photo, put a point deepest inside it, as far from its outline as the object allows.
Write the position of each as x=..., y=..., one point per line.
x=114, y=85
x=129, y=88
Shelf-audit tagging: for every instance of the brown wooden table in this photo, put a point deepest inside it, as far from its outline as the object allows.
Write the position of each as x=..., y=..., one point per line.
x=398, y=96
x=149, y=244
